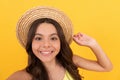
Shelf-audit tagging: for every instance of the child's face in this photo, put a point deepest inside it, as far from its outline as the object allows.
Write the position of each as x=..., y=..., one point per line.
x=46, y=43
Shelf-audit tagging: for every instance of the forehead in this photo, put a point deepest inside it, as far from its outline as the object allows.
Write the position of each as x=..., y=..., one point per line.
x=46, y=28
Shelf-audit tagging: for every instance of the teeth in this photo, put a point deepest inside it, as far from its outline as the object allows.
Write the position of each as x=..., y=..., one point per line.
x=45, y=52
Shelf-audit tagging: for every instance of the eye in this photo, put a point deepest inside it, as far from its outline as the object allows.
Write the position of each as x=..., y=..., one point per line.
x=54, y=38
x=38, y=38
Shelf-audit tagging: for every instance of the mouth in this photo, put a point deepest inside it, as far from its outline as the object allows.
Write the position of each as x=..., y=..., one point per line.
x=46, y=53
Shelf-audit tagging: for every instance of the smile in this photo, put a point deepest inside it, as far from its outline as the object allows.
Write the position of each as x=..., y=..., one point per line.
x=46, y=52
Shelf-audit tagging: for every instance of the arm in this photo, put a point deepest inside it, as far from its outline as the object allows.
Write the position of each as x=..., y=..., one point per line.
x=102, y=64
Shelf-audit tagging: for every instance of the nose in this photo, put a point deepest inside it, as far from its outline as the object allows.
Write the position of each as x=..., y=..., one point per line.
x=46, y=44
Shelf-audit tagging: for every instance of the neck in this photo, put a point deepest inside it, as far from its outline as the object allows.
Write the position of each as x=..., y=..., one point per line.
x=50, y=66
x=55, y=70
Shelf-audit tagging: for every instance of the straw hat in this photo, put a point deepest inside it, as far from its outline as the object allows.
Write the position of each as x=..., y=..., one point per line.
x=33, y=14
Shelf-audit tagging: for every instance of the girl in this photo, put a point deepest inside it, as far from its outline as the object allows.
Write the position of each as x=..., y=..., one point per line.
x=50, y=56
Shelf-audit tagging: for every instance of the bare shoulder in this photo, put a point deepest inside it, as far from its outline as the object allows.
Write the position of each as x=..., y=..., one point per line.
x=20, y=75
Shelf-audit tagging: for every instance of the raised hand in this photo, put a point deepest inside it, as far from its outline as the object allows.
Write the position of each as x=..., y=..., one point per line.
x=101, y=64
x=84, y=40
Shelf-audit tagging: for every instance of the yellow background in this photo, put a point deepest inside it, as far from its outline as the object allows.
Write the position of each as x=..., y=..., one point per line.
x=97, y=18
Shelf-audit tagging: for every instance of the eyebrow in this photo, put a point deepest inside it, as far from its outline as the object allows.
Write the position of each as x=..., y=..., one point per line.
x=42, y=34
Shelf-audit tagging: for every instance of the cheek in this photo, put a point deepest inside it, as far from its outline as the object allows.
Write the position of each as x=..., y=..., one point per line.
x=57, y=46
x=35, y=46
